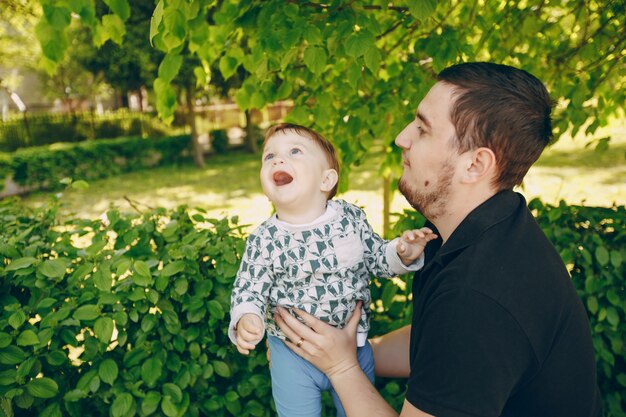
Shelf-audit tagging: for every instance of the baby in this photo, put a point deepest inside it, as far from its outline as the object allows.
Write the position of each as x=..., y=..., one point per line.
x=315, y=254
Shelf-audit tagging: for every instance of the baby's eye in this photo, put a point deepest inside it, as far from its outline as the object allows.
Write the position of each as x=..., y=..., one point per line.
x=268, y=156
x=296, y=151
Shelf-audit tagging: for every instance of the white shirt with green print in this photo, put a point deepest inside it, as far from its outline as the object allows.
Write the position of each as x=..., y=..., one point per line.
x=323, y=267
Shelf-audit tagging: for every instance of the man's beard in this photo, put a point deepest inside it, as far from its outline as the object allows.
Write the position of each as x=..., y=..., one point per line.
x=430, y=203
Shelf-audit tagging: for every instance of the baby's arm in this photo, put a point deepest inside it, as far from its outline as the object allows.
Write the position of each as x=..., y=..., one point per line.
x=412, y=243
x=249, y=331
x=249, y=297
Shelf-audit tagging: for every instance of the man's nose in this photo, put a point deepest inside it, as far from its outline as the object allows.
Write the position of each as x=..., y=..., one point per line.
x=402, y=140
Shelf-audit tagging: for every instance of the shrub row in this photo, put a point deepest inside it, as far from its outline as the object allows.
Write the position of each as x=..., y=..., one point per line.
x=127, y=316
x=37, y=130
x=44, y=166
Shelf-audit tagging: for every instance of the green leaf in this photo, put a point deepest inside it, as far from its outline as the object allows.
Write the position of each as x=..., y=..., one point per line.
x=313, y=35
x=5, y=339
x=11, y=355
x=74, y=395
x=169, y=407
x=151, y=371
x=173, y=268
x=612, y=316
x=8, y=377
x=114, y=27
x=103, y=280
x=56, y=357
x=616, y=259
x=372, y=59
x=27, y=338
x=119, y=7
x=359, y=43
x=592, y=304
x=602, y=255
x=422, y=9
x=169, y=67
x=87, y=312
x=42, y=387
x=222, y=369
x=173, y=391
x=53, y=410
x=228, y=65
x=17, y=319
x=20, y=263
x=150, y=402
x=103, y=328
x=58, y=17
x=108, y=371
x=215, y=309
x=142, y=275
x=315, y=59
x=155, y=20
x=53, y=268
x=122, y=405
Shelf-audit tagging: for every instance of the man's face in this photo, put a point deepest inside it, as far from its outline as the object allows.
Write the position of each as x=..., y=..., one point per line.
x=428, y=155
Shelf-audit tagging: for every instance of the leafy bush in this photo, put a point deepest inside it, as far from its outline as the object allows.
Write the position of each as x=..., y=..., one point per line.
x=43, y=167
x=122, y=318
x=45, y=129
x=592, y=243
x=127, y=315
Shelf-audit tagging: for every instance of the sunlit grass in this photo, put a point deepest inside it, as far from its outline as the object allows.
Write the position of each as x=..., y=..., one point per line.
x=229, y=184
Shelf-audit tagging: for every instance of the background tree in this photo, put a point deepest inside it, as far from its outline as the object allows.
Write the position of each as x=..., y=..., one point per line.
x=355, y=69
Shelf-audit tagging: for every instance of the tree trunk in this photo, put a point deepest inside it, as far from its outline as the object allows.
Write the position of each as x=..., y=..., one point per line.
x=386, y=204
x=198, y=156
x=251, y=140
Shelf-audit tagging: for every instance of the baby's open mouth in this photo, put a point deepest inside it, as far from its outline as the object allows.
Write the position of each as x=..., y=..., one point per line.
x=282, y=178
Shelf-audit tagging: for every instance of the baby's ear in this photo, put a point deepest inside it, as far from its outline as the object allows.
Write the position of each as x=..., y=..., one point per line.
x=329, y=180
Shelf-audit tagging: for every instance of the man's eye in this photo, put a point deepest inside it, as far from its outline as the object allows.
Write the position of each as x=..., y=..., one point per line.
x=296, y=151
x=420, y=130
x=268, y=157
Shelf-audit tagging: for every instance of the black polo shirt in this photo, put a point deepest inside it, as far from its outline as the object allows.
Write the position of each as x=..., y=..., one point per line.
x=498, y=329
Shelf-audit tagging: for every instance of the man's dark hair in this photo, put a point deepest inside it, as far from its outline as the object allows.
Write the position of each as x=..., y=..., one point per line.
x=501, y=108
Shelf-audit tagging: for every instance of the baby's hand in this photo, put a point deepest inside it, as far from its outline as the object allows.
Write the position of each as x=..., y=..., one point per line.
x=412, y=243
x=249, y=332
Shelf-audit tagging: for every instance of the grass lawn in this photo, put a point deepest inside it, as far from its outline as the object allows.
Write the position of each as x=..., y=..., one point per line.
x=229, y=184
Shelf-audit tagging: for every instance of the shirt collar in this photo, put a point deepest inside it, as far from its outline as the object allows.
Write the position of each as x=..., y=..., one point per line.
x=494, y=210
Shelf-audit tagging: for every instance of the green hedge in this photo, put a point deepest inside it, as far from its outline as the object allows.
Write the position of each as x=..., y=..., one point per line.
x=128, y=316
x=28, y=130
x=43, y=167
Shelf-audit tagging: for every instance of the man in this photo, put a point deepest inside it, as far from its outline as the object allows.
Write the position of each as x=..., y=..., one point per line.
x=497, y=327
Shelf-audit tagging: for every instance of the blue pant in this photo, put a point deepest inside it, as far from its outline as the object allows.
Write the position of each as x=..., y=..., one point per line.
x=297, y=385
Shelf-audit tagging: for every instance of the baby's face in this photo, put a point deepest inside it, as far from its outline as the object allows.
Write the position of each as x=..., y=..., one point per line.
x=292, y=170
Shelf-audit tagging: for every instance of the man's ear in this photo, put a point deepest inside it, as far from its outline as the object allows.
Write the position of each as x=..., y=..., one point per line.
x=329, y=180
x=479, y=165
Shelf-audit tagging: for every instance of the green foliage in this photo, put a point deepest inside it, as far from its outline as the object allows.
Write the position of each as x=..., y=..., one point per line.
x=219, y=141
x=123, y=317
x=128, y=315
x=592, y=243
x=343, y=61
x=43, y=167
x=44, y=129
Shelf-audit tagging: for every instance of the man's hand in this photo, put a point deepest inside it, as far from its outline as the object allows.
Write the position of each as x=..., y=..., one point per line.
x=412, y=244
x=331, y=350
x=249, y=332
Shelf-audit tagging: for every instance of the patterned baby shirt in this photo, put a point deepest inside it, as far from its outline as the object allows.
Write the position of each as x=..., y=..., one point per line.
x=323, y=268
